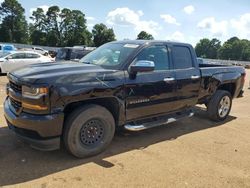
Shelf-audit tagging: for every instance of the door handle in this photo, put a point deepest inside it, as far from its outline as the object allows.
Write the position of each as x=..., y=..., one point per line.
x=170, y=79
x=195, y=77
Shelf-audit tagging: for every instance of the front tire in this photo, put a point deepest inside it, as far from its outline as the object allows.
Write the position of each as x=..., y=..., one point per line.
x=219, y=105
x=88, y=131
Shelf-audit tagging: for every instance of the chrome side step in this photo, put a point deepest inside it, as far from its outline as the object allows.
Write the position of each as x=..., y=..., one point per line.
x=162, y=121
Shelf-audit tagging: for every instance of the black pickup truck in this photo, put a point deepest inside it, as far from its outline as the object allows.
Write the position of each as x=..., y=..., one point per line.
x=133, y=85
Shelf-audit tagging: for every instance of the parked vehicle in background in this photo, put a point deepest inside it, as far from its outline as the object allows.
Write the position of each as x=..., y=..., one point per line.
x=134, y=85
x=72, y=53
x=53, y=54
x=200, y=61
x=6, y=47
x=40, y=50
x=13, y=60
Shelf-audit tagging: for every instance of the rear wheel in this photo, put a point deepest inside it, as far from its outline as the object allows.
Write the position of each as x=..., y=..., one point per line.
x=219, y=106
x=88, y=131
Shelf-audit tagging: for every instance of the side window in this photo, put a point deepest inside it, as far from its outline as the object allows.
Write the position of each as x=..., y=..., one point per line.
x=18, y=56
x=32, y=56
x=157, y=54
x=182, y=57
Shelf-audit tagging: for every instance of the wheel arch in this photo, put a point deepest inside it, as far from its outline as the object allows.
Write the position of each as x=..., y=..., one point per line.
x=226, y=81
x=112, y=104
x=230, y=87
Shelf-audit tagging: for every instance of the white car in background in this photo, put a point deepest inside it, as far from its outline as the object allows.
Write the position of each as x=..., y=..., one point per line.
x=40, y=50
x=10, y=61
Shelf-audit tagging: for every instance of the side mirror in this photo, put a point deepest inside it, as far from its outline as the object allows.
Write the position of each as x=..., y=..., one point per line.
x=142, y=66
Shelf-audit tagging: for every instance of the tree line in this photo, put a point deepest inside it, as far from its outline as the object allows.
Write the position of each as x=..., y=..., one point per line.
x=233, y=49
x=65, y=27
x=56, y=27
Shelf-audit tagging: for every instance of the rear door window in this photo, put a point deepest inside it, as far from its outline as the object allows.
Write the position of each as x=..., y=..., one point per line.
x=32, y=56
x=182, y=57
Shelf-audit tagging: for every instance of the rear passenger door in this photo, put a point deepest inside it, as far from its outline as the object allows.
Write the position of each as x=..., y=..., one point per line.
x=32, y=58
x=187, y=75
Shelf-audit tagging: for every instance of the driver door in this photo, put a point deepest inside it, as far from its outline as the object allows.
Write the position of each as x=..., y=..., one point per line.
x=151, y=93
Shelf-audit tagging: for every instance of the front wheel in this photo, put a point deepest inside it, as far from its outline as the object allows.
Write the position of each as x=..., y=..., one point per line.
x=219, y=105
x=88, y=131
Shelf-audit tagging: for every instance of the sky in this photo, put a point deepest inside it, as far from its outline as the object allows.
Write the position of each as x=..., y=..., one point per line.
x=179, y=20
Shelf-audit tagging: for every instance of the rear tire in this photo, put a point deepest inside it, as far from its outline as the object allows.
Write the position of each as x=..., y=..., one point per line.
x=88, y=131
x=219, y=105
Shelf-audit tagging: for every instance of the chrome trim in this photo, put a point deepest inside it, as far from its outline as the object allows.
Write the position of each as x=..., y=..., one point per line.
x=224, y=106
x=130, y=127
x=144, y=63
x=195, y=77
x=169, y=79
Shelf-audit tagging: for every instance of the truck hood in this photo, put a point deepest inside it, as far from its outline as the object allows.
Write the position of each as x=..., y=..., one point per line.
x=48, y=73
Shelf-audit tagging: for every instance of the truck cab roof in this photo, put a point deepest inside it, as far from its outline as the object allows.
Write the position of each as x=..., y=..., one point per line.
x=145, y=42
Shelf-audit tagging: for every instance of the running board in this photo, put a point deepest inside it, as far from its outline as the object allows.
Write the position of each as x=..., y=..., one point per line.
x=162, y=121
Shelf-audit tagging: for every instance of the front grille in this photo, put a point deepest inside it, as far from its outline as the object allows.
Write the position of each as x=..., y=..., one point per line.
x=16, y=104
x=15, y=87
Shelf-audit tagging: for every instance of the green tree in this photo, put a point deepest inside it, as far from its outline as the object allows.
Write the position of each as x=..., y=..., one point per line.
x=102, y=34
x=14, y=27
x=225, y=51
x=143, y=35
x=39, y=19
x=74, y=28
x=60, y=27
x=38, y=29
x=235, y=49
x=231, y=49
x=245, y=56
x=208, y=48
x=53, y=26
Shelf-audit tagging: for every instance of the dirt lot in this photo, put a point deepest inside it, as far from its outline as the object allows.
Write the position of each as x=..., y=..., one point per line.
x=192, y=153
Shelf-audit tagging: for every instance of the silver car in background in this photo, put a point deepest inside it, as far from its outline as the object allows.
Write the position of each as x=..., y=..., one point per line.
x=10, y=61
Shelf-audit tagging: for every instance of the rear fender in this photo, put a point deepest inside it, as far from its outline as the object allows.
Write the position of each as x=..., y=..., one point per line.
x=231, y=81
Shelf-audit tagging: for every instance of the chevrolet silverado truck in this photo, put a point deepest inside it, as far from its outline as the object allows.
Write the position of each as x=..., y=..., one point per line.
x=133, y=85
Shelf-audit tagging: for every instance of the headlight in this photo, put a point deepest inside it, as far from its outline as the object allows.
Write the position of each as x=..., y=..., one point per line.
x=34, y=92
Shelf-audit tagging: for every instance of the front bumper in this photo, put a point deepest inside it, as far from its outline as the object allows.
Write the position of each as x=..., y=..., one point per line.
x=40, y=131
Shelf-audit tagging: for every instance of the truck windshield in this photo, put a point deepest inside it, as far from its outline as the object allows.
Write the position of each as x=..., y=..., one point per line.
x=110, y=54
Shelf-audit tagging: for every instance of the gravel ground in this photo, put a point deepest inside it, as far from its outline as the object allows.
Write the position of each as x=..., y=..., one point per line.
x=191, y=153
